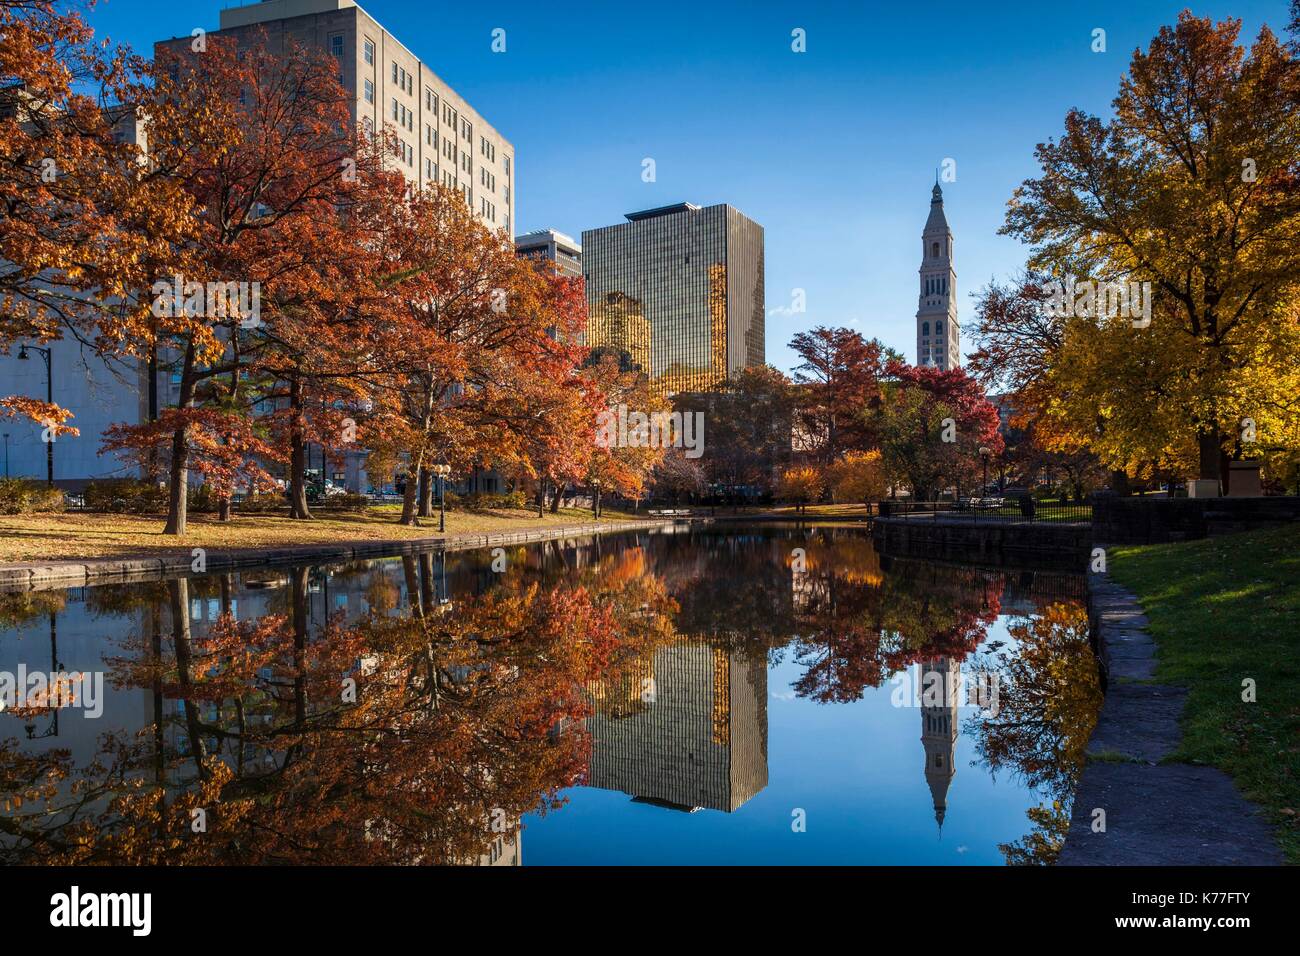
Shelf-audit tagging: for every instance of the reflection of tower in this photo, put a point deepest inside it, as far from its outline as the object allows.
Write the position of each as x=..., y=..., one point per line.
x=939, y=683
x=697, y=736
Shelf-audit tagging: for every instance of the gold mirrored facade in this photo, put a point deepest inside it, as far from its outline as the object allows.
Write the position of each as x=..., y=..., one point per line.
x=679, y=290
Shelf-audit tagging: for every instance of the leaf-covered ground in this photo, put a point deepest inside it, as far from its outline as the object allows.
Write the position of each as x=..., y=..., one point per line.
x=42, y=537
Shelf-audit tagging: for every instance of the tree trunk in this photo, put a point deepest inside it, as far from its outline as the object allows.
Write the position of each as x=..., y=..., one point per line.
x=1119, y=482
x=223, y=508
x=1209, y=443
x=178, y=591
x=555, y=501
x=426, y=493
x=301, y=612
x=151, y=460
x=297, y=455
x=409, y=503
x=179, y=473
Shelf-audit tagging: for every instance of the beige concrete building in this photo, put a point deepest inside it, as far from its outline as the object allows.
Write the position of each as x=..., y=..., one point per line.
x=552, y=246
x=443, y=139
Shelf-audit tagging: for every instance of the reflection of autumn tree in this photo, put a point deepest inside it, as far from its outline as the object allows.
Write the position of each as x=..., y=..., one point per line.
x=18, y=607
x=465, y=714
x=1048, y=697
x=857, y=629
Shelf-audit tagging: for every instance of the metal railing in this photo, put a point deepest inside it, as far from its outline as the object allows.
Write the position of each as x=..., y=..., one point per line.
x=992, y=508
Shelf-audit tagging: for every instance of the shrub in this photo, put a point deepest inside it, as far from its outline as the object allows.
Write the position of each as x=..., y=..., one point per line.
x=858, y=476
x=201, y=498
x=263, y=503
x=345, y=502
x=125, y=496
x=480, y=501
x=24, y=496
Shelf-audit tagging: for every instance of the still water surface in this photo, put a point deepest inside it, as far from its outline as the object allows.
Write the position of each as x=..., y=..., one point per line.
x=742, y=695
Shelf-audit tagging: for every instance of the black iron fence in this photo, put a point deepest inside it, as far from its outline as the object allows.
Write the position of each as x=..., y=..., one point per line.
x=1024, y=508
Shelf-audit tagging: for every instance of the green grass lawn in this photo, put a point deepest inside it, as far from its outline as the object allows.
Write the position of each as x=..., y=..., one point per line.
x=1223, y=610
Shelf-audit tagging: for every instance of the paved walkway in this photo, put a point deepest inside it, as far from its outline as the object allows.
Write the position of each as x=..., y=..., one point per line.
x=1156, y=813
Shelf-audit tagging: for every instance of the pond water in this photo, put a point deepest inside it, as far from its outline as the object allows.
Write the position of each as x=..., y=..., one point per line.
x=744, y=694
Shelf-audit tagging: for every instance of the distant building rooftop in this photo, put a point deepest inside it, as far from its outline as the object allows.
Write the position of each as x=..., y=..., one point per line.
x=245, y=14
x=544, y=237
x=661, y=211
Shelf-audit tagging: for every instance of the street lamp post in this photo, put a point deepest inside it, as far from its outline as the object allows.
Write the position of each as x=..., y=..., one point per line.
x=984, y=454
x=595, y=498
x=49, y=397
x=441, y=471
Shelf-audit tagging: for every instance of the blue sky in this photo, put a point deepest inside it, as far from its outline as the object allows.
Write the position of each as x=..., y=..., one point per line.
x=833, y=150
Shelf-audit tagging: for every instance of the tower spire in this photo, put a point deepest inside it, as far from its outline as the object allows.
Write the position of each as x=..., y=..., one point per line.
x=938, y=336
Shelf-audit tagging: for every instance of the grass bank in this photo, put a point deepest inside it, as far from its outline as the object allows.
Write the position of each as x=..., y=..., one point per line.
x=1224, y=610
x=76, y=535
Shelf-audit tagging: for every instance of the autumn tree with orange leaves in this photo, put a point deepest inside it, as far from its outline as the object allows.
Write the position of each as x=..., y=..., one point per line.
x=79, y=223
x=481, y=365
x=260, y=153
x=1193, y=186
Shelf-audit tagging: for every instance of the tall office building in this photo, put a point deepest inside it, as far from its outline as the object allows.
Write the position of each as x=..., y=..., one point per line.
x=443, y=139
x=550, y=245
x=696, y=275
x=938, y=336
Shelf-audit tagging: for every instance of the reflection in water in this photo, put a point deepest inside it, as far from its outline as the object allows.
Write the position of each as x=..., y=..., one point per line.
x=692, y=732
x=417, y=709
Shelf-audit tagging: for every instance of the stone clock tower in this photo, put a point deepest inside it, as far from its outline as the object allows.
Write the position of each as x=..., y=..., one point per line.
x=938, y=336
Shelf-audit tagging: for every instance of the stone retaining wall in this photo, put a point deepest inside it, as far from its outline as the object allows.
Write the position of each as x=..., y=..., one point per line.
x=39, y=576
x=1143, y=520
x=997, y=542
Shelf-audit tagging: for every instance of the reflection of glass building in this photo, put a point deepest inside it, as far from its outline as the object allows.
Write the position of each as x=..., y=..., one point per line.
x=698, y=275
x=688, y=733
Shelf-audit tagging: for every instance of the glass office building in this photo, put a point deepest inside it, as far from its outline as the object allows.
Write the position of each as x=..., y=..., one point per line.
x=680, y=289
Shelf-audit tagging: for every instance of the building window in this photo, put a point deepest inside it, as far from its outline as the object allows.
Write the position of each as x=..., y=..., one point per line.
x=934, y=248
x=370, y=91
x=938, y=328
x=336, y=44
x=925, y=328
x=370, y=52
x=394, y=71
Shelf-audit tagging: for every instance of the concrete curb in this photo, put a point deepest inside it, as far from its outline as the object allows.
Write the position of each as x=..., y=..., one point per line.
x=1157, y=814
x=39, y=576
